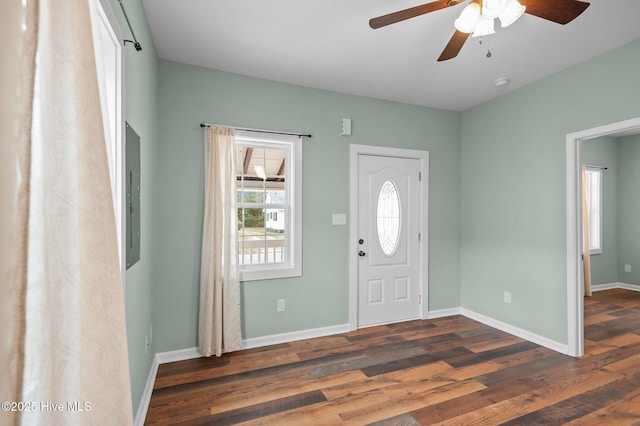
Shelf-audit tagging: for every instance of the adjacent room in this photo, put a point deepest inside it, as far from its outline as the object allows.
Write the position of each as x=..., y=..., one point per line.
x=286, y=212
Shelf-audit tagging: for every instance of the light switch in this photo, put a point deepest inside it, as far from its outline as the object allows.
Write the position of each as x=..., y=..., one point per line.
x=346, y=127
x=338, y=219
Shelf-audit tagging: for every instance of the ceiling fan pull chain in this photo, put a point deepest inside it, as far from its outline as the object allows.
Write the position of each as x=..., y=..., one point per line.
x=489, y=54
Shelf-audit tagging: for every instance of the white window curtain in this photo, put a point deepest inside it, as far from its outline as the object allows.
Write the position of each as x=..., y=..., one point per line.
x=220, y=321
x=67, y=305
x=586, y=251
x=18, y=40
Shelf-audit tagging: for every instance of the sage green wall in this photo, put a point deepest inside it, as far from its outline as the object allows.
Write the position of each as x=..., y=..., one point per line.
x=513, y=234
x=629, y=209
x=603, y=152
x=190, y=95
x=141, y=81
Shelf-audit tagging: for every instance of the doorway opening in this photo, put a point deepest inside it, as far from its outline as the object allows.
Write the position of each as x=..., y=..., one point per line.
x=575, y=278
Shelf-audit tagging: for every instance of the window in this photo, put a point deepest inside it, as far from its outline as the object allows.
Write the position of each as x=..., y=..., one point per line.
x=388, y=217
x=109, y=65
x=594, y=206
x=269, y=204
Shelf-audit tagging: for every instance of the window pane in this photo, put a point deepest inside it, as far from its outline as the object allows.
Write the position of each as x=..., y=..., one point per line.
x=250, y=196
x=388, y=217
x=251, y=236
x=251, y=251
x=594, y=207
x=275, y=197
x=275, y=227
x=274, y=222
x=274, y=164
x=251, y=221
x=260, y=164
x=261, y=236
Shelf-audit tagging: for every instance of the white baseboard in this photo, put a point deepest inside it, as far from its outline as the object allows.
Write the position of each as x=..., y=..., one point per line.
x=179, y=355
x=160, y=358
x=143, y=406
x=611, y=286
x=441, y=313
x=276, y=339
x=518, y=332
x=631, y=287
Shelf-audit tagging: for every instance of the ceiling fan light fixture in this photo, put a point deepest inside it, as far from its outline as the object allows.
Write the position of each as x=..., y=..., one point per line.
x=484, y=27
x=493, y=8
x=511, y=13
x=468, y=19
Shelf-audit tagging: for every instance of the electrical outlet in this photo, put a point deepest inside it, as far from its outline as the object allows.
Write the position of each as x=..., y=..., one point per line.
x=146, y=344
x=280, y=306
x=507, y=297
x=627, y=268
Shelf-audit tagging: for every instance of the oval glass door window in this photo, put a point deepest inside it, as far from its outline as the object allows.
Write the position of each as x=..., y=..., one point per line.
x=388, y=217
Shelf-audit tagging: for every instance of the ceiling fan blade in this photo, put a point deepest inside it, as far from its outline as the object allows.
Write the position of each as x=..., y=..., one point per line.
x=401, y=15
x=559, y=11
x=452, y=48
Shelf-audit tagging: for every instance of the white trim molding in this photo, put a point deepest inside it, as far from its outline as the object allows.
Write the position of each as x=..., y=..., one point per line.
x=160, y=358
x=179, y=355
x=611, y=286
x=143, y=405
x=275, y=339
x=518, y=332
x=441, y=313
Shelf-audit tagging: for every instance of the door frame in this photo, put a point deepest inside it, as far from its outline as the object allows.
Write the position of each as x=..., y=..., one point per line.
x=575, y=298
x=423, y=223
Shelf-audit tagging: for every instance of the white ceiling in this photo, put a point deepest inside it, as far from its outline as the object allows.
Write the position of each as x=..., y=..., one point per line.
x=328, y=44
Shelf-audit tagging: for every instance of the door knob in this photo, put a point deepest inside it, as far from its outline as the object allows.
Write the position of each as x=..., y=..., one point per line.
x=361, y=253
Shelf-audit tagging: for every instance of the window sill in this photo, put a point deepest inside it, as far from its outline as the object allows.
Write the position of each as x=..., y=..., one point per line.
x=267, y=273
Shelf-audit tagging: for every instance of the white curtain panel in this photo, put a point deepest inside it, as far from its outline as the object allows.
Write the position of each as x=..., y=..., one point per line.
x=18, y=37
x=220, y=321
x=75, y=343
x=586, y=245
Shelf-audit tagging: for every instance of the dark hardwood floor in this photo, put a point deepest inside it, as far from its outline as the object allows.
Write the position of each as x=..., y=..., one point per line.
x=449, y=371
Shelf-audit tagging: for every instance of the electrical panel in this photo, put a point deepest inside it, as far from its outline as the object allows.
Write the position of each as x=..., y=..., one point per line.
x=132, y=243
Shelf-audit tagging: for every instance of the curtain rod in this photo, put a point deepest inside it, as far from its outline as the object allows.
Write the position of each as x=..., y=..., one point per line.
x=257, y=130
x=135, y=40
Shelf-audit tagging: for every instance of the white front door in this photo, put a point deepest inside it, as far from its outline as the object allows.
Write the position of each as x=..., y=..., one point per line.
x=388, y=239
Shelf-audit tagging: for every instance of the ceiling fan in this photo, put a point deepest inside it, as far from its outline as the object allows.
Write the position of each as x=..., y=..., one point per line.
x=478, y=17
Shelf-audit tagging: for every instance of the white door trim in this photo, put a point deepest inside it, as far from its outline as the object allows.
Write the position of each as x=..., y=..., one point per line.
x=575, y=300
x=423, y=274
